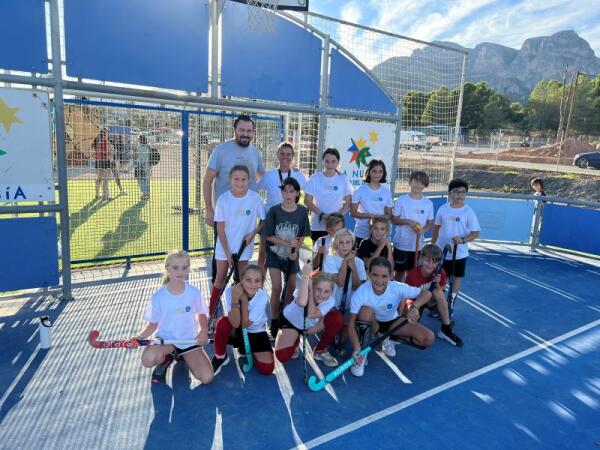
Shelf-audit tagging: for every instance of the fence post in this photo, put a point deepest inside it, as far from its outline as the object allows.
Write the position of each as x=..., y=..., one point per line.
x=324, y=100
x=535, y=235
x=185, y=182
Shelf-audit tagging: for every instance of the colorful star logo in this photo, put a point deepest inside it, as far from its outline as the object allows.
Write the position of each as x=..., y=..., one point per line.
x=359, y=151
x=7, y=116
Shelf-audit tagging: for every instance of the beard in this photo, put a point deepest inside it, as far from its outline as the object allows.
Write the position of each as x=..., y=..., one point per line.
x=243, y=141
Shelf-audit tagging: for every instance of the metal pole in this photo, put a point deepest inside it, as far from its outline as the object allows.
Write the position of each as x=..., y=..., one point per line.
x=61, y=153
x=394, y=173
x=214, y=48
x=324, y=100
x=185, y=182
x=458, y=115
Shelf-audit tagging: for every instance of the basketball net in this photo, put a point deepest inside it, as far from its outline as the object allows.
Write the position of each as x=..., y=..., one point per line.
x=261, y=15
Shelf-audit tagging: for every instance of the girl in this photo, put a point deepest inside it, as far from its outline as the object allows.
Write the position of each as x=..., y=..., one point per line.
x=377, y=305
x=413, y=213
x=271, y=183
x=142, y=166
x=177, y=311
x=235, y=216
x=334, y=223
x=371, y=199
x=327, y=192
x=246, y=304
x=102, y=152
x=378, y=244
x=285, y=228
x=317, y=296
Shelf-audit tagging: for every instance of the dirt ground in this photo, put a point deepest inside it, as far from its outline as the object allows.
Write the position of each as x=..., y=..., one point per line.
x=575, y=186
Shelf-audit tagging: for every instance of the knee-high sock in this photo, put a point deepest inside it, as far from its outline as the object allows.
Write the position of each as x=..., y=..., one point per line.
x=334, y=322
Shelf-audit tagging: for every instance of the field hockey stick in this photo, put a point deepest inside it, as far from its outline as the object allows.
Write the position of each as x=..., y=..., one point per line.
x=417, y=241
x=304, y=338
x=130, y=343
x=319, y=266
x=451, y=280
x=235, y=256
x=285, y=285
x=317, y=385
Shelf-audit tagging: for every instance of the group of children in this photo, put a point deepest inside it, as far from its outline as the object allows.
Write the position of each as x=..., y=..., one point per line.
x=365, y=282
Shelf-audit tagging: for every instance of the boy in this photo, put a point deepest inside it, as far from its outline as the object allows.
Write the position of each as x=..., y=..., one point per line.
x=455, y=224
x=537, y=184
x=422, y=277
x=333, y=224
x=377, y=244
x=413, y=213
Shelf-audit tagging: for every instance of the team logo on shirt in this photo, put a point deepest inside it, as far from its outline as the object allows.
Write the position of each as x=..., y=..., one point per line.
x=419, y=211
x=389, y=306
x=454, y=219
x=243, y=212
x=331, y=188
x=380, y=199
x=182, y=310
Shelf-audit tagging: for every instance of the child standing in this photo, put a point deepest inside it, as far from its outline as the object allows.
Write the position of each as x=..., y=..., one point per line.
x=422, y=276
x=334, y=223
x=177, y=311
x=372, y=199
x=378, y=244
x=456, y=224
x=343, y=259
x=285, y=228
x=413, y=217
x=327, y=192
x=317, y=296
x=236, y=214
x=537, y=184
x=376, y=307
x=247, y=307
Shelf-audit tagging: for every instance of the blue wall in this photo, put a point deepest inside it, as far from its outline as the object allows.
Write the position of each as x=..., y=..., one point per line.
x=571, y=228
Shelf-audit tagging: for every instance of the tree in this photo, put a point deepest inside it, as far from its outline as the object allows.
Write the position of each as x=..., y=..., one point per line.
x=544, y=105
x=475, y=97
x=496, y=112
x=586, y=114
x=414, y=104
x=441, y=108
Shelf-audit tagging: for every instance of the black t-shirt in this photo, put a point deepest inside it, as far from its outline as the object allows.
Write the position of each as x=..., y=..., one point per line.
x=285, y=225
x=367, y=248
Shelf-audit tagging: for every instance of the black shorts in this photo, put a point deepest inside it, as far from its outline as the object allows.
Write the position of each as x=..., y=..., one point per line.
x=259, y=342
x=286, y=324
x=183, y=351
x=385, y=326
x=104, y=164
x=316, y=235
x=275, y=262
x=459, y=268
x=403, y=260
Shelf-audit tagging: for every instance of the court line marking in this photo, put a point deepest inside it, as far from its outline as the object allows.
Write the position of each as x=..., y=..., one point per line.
x=334, y=434
x=19, y=376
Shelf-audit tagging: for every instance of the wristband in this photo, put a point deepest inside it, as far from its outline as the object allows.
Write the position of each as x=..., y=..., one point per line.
x=235, y=305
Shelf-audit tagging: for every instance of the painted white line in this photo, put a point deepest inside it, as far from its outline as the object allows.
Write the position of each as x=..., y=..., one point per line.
x=473, y=305
x=353, y=426
x=592, y=271
x=394, y=367
x=19, y=376
x=496, y=313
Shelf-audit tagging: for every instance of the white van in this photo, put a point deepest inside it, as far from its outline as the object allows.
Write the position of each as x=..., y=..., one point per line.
x=414, y=140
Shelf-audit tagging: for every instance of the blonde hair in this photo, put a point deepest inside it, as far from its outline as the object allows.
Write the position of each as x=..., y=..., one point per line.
x=339, y=235
x=326, y=277
x=174, y=254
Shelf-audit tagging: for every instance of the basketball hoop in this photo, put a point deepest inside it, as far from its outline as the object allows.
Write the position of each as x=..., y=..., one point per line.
x=261, y=15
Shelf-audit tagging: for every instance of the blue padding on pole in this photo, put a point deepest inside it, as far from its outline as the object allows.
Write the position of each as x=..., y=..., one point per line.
x=283, y=66
x=147, y=42
x=23, y=36
x=571, y=228
x=352, y=88
x=29, y=253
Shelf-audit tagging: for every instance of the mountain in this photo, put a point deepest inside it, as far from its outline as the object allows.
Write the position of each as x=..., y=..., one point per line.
x=507, y=70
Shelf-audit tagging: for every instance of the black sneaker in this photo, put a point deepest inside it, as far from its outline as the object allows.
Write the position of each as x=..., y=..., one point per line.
x=160, y=372
x=218, y=363
x=447, y=334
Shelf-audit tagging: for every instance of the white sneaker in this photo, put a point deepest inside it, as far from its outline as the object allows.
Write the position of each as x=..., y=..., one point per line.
x=389, y=349
x=326, y=357
x=358, y=370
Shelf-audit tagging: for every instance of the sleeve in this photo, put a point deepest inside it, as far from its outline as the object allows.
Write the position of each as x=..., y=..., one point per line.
x=439, y=216
x=152, y=314
x=410, y=278
x=310, y=185
x=360, y=266
x=473, y=223
x=301, y=180
x=260, y=207
x=430, y=210
x=331, y=266
x=199, y=302
x=220, y=210
x=260, y=167
x=261, y=185
x=397, y=210
x=305, y=225
x=388, y=202
x=410, y=291
x=356, y=195
x=214, y=162
x=357, y=301
x=347, y=186
x=269, y=224
x=227, y=295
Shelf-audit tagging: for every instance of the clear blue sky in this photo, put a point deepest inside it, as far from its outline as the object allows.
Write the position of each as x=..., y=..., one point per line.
x=469, y=22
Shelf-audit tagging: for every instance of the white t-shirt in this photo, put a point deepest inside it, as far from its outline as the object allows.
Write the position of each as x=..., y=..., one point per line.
x=370, y=202
x=385, y=306
x=239, y=215
x=228, y=154
x=176, y=315
x=328, y=195
x=333, y=264
x=295, y=313
x=257, y=310
x=418, y=210
x=271, y=181
x=455, y=222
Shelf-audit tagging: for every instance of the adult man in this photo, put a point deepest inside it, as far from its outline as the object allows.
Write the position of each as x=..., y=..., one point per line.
x=238, y=150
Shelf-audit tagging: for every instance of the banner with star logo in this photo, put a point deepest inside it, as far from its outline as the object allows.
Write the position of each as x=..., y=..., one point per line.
x=359, y=142
x=25, y=150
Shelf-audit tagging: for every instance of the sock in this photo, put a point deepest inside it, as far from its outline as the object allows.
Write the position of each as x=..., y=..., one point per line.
x=334, y=322
x=446, y=327
x=214, y=296
x=222, y=331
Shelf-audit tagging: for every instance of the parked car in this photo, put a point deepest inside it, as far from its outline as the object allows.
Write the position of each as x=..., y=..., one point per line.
x=588, y=159
x=414, y=140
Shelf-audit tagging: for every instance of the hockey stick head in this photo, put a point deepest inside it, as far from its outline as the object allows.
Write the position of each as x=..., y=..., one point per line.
x=93, y=339
x=316, y=385
x=247, y=366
